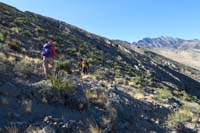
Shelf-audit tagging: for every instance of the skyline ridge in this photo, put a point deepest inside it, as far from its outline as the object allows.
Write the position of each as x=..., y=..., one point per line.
x=133, y=22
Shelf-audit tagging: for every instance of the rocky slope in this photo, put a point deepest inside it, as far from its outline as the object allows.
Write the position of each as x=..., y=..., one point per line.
x=129, y=89
x=169, y=42
x=187, y=57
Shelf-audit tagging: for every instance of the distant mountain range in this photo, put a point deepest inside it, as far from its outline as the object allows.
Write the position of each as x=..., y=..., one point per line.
x=168, y=42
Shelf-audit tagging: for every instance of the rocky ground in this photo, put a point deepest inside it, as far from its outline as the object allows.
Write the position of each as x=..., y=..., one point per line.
x=93, y=105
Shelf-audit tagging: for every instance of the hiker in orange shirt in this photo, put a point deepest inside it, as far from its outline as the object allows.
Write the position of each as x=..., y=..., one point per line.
x=85, y=67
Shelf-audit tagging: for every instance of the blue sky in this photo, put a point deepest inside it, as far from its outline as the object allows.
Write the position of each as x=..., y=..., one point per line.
x=129, y=20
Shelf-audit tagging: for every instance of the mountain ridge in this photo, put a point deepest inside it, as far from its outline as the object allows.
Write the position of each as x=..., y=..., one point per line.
x=168, y=42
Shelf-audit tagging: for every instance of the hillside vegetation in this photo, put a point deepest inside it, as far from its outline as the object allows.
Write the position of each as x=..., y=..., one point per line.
x=128, y=89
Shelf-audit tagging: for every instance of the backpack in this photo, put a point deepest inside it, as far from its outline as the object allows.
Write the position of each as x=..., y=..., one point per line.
x=47, y=50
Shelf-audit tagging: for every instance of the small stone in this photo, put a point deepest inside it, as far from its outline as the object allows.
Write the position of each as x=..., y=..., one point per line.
x=157, y=121
x=44, y=100
x=48, y=129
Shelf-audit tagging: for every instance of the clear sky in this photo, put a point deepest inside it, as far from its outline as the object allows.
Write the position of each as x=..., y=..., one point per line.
x=129, y=20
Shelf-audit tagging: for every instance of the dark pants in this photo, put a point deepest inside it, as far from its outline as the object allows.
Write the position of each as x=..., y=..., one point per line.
x=85, y=70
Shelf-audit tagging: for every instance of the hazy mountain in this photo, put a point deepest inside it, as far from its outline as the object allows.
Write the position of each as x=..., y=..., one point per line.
x=169, y=42
x=128, y=89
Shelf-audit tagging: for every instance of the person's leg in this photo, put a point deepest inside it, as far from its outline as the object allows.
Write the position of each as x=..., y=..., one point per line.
x=84, y=70
x=51, y=62
x=87, y=70
x=45, y=66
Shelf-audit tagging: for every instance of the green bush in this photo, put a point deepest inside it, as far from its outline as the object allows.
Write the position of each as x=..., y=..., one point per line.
x=135, y=81
x=59, y=84
x=27, y=33
x=39, y=30
x=1, y=37
x=3, y=48
x=178, y=117
x=42, y=39
x=5, y=32
x=16, y=29
x=163, y=94
x=148, y=81
x=187, y=97
x=14, y=44
x=65, y=65
x=21, y=21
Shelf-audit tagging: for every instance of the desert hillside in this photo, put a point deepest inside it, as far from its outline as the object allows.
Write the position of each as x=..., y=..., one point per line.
x=180, y=50
x=128, y=88
x=187, y=57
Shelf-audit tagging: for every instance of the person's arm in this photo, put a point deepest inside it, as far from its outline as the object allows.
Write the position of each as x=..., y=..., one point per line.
x=54, y=52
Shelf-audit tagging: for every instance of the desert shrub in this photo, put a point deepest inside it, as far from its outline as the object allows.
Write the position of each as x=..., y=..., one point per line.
x=71, y=51
x=14, y=44
x=163, y=94
x=184, y=96
x=16, y=29
x=119, y=80
x=27, y=33
x=42, y=39
x=61, y=84
x=12, y=129
x=187, y=97
x=135, y=81
x=2, y=37
x=4, y=48
x=102, y=73
x=23, y=68
x=5, y=32
x=94, y=128
x=196, y=110
x=137, y=93
x=21, y=21
x=32, y=129
x=39, y=30
x=179, y=117
x=147, y=81
x=95, y=57
x=64, y=65
x=2, y=55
